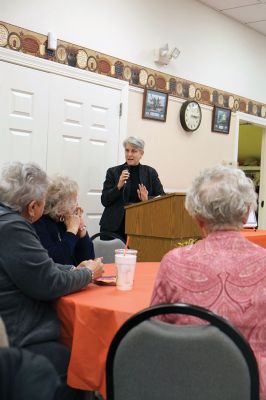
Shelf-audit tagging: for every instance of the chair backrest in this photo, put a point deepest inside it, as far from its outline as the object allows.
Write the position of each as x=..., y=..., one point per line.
x=106, y=248
x=150, y=359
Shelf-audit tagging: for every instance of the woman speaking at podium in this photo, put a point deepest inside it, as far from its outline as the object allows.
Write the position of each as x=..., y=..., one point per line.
x=125, y=184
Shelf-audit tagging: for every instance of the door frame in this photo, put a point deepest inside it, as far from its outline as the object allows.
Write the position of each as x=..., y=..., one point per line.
x=26, y=60
x=259, y=121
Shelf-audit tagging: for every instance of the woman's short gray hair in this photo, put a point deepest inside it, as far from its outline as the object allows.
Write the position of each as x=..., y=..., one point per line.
x=20, y=184
x=135, y=142
x=59, y=200
x=222, y=197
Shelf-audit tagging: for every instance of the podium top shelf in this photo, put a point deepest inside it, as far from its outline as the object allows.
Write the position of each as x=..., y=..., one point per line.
x=157, y=198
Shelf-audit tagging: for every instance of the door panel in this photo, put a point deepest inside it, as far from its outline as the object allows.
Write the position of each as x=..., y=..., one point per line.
x=83, y=138
x=23, y=114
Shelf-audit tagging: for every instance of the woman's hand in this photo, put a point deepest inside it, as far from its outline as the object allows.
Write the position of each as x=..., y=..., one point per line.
x=142, y=192
x=82, y=227
x=123, y=178
x=72, y=223
x=95, y=266
x=75, y=222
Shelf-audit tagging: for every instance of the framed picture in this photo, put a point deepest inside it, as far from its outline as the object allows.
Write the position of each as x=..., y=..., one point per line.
x=221, y=118
x=155, y=105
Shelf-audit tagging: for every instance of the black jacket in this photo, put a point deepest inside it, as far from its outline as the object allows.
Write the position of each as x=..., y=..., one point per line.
x=63, y=247
x=114, y=199
x=30, y=281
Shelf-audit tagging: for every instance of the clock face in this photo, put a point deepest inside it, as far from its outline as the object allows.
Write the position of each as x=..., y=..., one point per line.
x=190, y=115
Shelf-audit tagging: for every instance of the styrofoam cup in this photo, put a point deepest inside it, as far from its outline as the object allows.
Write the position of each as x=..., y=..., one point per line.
x=125, y=261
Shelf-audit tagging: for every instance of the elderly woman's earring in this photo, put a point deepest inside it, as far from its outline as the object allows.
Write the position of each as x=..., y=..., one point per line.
x=61, y=219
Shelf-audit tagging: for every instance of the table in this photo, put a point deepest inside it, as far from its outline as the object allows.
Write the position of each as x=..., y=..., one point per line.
x=90, y=318
x=256, y=236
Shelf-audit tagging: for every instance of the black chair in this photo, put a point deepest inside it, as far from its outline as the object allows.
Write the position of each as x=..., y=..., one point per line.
x=106, y=248
x=152, y=360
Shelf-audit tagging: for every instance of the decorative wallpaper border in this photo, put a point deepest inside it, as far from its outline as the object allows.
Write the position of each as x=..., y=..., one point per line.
x=25, y=41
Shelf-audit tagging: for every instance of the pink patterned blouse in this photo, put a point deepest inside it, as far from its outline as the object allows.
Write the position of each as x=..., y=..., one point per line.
x=225, y=273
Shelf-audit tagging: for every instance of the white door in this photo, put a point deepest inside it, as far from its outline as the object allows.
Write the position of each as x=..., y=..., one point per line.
x=83, y=138
x=261, y=122
x=23, y=114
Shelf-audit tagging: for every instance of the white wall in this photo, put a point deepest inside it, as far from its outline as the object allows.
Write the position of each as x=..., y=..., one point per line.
x=215, y=50
x=178, y=155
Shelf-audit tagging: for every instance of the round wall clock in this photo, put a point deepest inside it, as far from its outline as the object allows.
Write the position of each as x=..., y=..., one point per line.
x=190, y=115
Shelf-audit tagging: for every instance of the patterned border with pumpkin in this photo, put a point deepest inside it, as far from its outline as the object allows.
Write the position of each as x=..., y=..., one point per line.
x=23, y=40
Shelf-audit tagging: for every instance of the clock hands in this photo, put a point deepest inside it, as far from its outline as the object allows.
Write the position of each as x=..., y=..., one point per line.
x=194, y=116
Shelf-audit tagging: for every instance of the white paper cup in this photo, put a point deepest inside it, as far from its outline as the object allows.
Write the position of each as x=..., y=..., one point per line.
x=125, y=262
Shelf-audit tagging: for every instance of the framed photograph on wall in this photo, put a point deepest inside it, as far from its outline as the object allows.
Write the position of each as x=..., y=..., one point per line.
x=221, y=118
x=155, y=105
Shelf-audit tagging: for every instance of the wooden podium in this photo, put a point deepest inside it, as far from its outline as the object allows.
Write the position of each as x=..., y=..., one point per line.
x=159, y=225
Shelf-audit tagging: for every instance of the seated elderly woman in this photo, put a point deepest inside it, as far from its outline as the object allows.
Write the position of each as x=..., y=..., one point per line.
x=29, y=279
x=223, y=272
x=61, y=229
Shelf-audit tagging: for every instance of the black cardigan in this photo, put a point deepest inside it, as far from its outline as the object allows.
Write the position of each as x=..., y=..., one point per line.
x=114, y=199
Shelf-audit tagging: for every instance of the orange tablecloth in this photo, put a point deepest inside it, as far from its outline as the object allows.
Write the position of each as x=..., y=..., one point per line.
x=90, y=319
x=256, y=236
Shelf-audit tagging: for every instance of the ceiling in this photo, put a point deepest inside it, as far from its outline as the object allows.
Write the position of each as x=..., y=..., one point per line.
x=251, y=13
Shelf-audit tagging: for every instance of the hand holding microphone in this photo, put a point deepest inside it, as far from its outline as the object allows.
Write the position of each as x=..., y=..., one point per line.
x=123, y=178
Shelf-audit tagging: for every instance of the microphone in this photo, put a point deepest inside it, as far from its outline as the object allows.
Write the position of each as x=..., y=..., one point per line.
x=126, y=186
x=128, y=170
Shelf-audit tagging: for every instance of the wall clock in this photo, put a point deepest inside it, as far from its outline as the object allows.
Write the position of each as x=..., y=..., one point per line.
x=190, y=115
